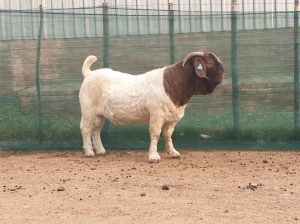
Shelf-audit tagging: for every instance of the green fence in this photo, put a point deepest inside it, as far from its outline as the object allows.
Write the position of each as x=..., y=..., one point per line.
x=256, y=107
x=88, y=22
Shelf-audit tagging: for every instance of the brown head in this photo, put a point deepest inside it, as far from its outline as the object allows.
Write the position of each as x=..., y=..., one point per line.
x=198, y=74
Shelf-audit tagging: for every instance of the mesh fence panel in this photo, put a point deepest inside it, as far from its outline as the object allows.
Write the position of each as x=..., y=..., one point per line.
x=41, y=52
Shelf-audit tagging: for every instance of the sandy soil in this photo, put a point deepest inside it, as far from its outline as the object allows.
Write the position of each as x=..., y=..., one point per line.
x=122, y=187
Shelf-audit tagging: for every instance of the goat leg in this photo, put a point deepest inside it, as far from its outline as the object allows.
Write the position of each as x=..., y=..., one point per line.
x=168, y=130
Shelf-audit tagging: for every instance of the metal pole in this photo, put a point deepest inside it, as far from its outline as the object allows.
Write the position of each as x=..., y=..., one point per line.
x=211, y=17
x=222, y=15
x=74, y=22
x=254, y=15
x=201, y=17
x=95, y=19
x=105, y=36
x=190, y=17
x=11, y=23
x=275, y=16
x=107, y=124
x=117, y=17
x=296, y=71
x=84, y=20
x=235, y=87
x=39, y=133
x=286, y=14
x=137, y=17
x=265, y=15
x=179, y=16
x=148, y=19
x=127, y=16
x=32, y=29
x=244, y=13
x=63, y=19
x=171, y=33
x=52, y=17
x=159, y=15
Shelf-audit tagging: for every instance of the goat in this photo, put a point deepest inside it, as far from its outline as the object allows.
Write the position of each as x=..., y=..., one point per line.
x=159, y=96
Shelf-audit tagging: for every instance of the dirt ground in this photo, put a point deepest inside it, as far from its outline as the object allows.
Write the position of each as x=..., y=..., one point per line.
x=122, y=187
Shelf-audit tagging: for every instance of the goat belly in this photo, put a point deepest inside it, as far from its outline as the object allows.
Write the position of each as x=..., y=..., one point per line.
x=135, y=114
x=125, y=112
x=122, y=108
x=125, y=115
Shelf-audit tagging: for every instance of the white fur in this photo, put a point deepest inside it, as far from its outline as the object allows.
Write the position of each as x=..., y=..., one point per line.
x=126, y=99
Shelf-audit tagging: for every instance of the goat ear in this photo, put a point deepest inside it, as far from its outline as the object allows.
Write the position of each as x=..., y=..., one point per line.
x=200, y=68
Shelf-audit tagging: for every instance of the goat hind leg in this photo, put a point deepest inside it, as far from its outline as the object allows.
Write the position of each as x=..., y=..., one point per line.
x=86, y=126
x=97, y=143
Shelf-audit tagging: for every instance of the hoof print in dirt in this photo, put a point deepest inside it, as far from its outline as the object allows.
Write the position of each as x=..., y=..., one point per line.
x=252, y=186
x=12, y=189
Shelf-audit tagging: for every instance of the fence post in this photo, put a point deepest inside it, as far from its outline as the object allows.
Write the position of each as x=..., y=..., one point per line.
x=39, y=133
x=105, y=35
x=171, y=33
x=107, y=124
x=296, y=71
x=235, y=87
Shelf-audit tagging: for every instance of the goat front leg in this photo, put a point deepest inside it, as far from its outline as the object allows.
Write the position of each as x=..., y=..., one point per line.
x=154, y=129
x=168, y=130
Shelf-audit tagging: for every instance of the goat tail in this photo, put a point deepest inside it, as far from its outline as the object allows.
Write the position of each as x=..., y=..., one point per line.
x=86, y=67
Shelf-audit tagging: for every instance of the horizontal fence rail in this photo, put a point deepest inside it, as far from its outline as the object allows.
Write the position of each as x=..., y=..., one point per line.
x=212, y=6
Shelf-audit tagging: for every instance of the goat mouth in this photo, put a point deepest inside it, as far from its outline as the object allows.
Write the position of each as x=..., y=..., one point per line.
x=218, y=82
x=215, y=83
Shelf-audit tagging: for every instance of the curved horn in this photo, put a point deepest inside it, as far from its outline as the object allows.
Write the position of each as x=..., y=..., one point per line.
x=191, y=55
x=216, y=57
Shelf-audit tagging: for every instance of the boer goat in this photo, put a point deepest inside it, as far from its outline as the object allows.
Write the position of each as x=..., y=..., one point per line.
x=159, y=96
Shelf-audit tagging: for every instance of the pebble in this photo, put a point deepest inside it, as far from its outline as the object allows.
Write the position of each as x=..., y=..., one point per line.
x=61, y=189
x=165, y=187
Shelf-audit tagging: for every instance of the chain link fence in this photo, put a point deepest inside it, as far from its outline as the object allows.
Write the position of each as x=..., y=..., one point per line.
x=256, y=107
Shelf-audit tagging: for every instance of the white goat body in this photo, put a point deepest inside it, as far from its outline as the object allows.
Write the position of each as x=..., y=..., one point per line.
x=128, y=99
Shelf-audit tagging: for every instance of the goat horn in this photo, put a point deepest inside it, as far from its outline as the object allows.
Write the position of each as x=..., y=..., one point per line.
x=191, y=55
x=216, y=57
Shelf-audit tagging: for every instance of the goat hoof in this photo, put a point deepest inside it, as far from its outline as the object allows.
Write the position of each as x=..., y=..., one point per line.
x=89, y=153
x=100, y=151
x=174, y=154
x=154, y=158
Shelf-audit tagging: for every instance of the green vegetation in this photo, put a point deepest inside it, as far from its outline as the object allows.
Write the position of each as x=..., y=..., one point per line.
x=194, y=131
x=17, y=125
x=276, y=126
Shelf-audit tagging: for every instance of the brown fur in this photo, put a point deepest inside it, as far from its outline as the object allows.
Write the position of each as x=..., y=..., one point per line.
x=181, y=83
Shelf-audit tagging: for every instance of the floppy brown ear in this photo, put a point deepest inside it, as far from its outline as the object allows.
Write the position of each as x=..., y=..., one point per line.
x=200, y=68
x=199, y=64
